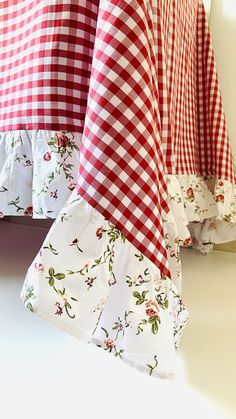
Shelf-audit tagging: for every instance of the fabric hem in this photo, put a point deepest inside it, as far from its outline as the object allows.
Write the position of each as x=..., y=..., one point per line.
x=98, y=343
x=203, y=209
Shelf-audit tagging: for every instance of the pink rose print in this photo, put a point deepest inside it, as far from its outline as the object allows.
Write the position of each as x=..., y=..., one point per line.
x=75, y=242
x=38, y=267
x=109, y=344
x=219, y=198
x=62, y=139
x=112, y=280
x=187, y=241
x=59, y=311
x=221, y=183
x=72, y=186
x=47, y=157
x=28, y=163
x=152, y=308
x=212, y=226
x=99, y=233
x=172, y=254
x=89, y=281
x=189, y=193
x=163, y=276
x=54, y=194
x=28, y=212
x=139, y=280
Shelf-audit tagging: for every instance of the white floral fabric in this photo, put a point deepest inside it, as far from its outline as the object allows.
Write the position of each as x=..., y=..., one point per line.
x=38, y=171
x=206, y=206
x=94, y=284
x=87, y=278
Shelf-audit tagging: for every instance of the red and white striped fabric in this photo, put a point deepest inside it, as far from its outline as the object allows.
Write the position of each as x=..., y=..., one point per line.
x=138, y=79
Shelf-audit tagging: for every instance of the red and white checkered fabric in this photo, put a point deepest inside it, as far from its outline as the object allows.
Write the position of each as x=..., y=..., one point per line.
x=121, y=172
x=198, y=140
x=138, y=79
x=46, y=50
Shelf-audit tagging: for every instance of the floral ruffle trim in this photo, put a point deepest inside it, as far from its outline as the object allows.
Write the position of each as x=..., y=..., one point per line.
x=96, y=286
x=204, y=205
x=38, y=171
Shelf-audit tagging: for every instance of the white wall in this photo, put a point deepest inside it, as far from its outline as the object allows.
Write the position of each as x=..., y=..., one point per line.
x=207, y=5
x=223, y=30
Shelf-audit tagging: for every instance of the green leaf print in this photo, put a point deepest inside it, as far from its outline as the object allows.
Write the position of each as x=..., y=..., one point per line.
x=140, y=257
x=72, y=272
x=15, y=204
x=60, y=276
x=140, y=329
x=74, y=299
x=67, y=308
x=30, y=307
x=3, y=189
x=114, y=234
x=119, y=353
x=61, y=292
x=51, y=248
x=152, y=367
x=29, y=293
x=154, y=328
x=75, y=242
x=65, y=217
x=228, y=218
x=97, y=261
x=107, y=255
x=52, y=276
x=140, y=297
x=166, y=304
x=152, y=319
x=123, y=238
x=105, y=331
x=51, y=281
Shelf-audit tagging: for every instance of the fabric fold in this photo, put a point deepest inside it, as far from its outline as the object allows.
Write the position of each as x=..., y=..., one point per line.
x=204, y=207
x=38, y=171
x=95, y=285
x=137, y=81
x=121, y=164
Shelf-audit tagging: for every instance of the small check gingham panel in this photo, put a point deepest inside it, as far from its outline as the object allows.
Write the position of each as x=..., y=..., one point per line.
x=198, y=141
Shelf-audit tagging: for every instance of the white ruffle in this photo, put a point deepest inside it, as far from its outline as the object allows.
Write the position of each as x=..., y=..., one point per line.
x=204, y=206
x=90, y=281
x=38, y=171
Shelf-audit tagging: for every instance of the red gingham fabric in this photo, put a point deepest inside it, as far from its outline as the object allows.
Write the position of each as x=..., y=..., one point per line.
x=46, y=50
x=198, y=139
x=138, y=79
x=121, y=171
